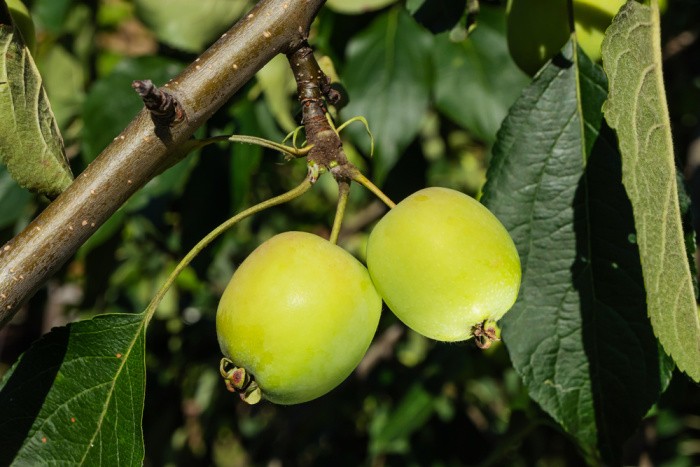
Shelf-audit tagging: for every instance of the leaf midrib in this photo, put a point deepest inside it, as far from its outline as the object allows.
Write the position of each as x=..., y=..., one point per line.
x=124, y=359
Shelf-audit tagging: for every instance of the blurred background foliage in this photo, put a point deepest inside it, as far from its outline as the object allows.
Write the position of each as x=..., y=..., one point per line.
x=434, y=90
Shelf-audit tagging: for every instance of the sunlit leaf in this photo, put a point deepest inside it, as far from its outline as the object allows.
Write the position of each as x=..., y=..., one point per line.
x=31, y=146
x=188, y=25
x=637, y=109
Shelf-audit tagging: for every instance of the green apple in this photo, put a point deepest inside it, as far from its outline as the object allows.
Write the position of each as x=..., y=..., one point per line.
x=298, y=315
x=443, y=264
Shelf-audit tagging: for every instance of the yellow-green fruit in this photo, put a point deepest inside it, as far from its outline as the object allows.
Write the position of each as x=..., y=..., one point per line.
x=23, y=21
x=299, y=315
x=443, y=264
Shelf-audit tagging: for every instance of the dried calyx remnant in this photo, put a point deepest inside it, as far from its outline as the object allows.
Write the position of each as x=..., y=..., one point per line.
x=484, y=335
x=163, y=106
x=241, y=382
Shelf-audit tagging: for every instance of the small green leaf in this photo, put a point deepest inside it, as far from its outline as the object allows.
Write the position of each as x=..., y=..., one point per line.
x=392, y=431
x=76, y=396
x=357, y=7
x=636, y=108
x=30, y=143
x=476, y=80
x=278, y=86
x=578, y=335
x=388, y=79
x=187, y=25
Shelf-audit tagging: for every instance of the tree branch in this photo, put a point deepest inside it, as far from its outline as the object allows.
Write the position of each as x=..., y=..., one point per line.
x=140, y=153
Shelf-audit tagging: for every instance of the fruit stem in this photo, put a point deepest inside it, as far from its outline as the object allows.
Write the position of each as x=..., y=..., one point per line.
x=203, y=243
x=291, y=151
x=343, y=192
x=364, y=181
x=283, y=148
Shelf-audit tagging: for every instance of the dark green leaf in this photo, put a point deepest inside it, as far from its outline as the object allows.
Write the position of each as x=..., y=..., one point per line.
x=51, y=14
x=476, y=80
x=388, y=79
x=65, y=83
x=637, y=110
x=30, y=143
x=438, y=15
x=76, y=396
x=13, y=199
x=578, y=334
x=245, y=158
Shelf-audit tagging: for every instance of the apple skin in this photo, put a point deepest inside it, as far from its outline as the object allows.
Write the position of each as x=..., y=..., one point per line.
x=443, y=263
x=23, y=21
x=298, y=314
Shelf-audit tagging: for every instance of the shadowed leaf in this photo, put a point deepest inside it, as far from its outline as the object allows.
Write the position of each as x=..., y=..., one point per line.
x=578, y=335
x=388, y=75
x=76, y=396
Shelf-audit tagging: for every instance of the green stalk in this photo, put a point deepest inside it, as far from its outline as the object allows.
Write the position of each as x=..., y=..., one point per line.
x=364, y=181
x=289, y=150
x=343, y=192
x=203, y=243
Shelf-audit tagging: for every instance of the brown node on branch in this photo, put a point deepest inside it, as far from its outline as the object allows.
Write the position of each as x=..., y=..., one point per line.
x=164, y=107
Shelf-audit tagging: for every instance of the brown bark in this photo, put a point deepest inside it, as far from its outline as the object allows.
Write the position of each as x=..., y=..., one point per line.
x=140, y=152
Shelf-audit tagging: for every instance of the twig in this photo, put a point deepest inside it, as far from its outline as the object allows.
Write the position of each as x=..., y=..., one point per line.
x=138, y=154
x=164, y=108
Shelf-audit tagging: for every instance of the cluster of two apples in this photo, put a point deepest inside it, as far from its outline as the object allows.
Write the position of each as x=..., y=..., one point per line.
x=300, y=312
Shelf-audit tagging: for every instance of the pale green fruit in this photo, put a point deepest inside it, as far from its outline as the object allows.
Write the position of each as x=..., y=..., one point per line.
x=299, y=315
x=443, y=264
x=23, y=21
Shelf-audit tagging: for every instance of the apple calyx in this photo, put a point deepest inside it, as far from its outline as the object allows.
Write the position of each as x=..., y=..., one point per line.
x=484, y=334
x=240, y=381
